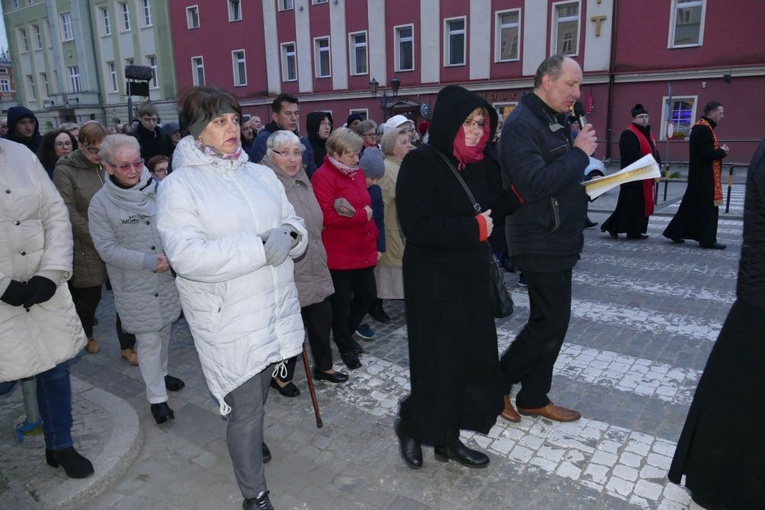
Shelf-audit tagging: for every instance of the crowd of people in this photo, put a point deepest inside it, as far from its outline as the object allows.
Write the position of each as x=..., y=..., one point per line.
x=346, y=218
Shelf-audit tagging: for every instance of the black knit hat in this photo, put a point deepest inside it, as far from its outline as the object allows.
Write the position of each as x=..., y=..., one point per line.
x=638, y=109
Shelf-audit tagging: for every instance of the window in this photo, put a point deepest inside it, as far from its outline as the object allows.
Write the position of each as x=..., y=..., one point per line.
x=198, y=70
x=289, y=62
x=111, y=72
x=361, y=111
x=358, y=53
x=321, y=57
x=66, y=27
x=286, y=5
x=317, y=2
x=38, y=36
x=15, y=4
x=192, y=17
x=125, y=11
x=151, y=61
x=454, y=42
x=74, y=78
x=682, y=114
x=45, y=86
x=240, y=68
x=566, y=28
x=508, y=35
x=5, y=85
x=687, y=25
x=146, y=4
x=23, y=41
x=234, y=10
x=31, y=88
x=106, y=22
x=404, y=37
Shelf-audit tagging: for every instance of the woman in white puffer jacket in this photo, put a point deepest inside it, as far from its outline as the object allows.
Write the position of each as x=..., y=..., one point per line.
x=122, y=217
x=230, y=234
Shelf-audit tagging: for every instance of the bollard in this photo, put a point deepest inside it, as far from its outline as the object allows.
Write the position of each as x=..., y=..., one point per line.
x=32, y=421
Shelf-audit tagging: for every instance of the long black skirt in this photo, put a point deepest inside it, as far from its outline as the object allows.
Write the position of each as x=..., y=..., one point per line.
x=721, y=450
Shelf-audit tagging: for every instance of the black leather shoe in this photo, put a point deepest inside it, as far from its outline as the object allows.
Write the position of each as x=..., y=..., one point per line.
x=265, y=452
x=161, y=412
x=173, y=383
x=334, y=377
x=377, y=312
x=462, y=454
x=75, y=465
x=713, y=246
x=259, y=502
x=351, y=360
x=288, y=390
x=356, y=347
x=410, y=449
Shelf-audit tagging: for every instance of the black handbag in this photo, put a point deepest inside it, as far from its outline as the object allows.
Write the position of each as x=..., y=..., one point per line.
x=501, y=300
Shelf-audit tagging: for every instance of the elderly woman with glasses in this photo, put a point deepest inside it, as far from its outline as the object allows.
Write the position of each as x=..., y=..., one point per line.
x=314, y=283
x=78, y=176
x=230, y=234
x=124, y=230
x=55, y=145
x=350, y=236
x=367, y=130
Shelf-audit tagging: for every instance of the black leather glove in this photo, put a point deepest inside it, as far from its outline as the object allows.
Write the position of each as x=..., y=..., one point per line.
x=39, y=290
x=15, y=294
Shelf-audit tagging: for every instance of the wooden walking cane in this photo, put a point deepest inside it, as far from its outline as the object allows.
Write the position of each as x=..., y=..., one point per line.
x=308, y=376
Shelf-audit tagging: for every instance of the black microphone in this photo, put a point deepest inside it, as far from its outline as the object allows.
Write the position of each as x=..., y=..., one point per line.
x=580, y=114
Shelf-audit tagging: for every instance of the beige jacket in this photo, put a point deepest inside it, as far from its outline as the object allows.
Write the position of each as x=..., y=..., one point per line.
x=394, y=238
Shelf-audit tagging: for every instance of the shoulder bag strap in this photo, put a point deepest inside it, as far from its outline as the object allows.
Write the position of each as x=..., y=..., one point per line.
x=476, y=205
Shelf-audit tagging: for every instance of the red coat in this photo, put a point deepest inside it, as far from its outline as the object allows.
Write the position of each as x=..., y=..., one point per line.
x=351, y=243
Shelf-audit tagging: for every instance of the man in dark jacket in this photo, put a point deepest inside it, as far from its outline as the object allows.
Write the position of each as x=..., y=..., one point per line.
x=152, y=140
x=23, y=128
x=546, y=166
x=697, y=216
x=284, y=115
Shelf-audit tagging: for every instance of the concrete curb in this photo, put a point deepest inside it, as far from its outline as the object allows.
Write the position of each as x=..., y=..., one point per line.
x=119, y=452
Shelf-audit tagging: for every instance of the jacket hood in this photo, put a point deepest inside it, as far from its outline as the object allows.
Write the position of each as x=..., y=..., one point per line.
x=187, y=155
x=15, y=114
x=453, y=105
x=76, y=159
x=313, y=121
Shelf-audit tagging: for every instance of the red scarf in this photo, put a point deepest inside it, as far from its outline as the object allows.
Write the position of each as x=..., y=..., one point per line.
x=645, y=149
x=716, y=164
x=468, y=155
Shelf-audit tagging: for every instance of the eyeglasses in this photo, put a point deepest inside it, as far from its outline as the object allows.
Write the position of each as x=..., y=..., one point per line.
x=295, y=154
x=93, y=150
x=136, y=165
x=470, y=123
x=63, y=144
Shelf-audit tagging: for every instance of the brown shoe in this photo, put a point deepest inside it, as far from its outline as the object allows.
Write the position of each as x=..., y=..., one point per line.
x=509, y=413
x=92, y=346
x=552, y=412
x=130, y=356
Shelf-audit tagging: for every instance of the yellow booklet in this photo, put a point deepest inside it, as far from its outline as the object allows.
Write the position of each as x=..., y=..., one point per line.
x=644, y=168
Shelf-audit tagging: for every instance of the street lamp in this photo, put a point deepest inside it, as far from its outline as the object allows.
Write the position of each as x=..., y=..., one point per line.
x=385, y=100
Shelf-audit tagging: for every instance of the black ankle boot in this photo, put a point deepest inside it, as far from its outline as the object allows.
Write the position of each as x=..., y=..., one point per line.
x=410, y=449
x=75, y=465
x=259, y=502
x=162, y=412
x=455, y=450
x=378, y=313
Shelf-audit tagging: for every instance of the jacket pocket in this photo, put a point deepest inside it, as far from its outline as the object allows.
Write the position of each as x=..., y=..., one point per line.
x=555, y=215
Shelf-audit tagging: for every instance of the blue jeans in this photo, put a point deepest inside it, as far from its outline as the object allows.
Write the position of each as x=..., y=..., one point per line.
x=54, y=399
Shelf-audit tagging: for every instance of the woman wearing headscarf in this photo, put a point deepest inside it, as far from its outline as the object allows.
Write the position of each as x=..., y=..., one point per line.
x=124, y=229
x=314, y=284
x=39, y=329
x=318, y=125
x=453, y=360
x=230, y=234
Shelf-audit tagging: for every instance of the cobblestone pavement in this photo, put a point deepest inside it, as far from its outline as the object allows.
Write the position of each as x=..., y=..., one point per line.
x=644, y=317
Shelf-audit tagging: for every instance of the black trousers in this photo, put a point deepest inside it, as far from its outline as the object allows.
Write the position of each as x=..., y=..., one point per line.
x=355, y=291
x=531, y=357
x=86, y=301
x=317, y=319
x=127, y=340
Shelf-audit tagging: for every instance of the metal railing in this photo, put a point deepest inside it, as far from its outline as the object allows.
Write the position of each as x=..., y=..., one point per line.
x=666, y=179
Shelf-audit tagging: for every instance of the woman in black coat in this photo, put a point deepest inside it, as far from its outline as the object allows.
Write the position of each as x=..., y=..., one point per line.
x=721, y=448
x=453, y=354
x=318, y=127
